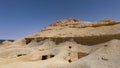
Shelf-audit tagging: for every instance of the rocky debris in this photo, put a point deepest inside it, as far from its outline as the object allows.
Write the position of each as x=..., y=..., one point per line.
x=69, y=43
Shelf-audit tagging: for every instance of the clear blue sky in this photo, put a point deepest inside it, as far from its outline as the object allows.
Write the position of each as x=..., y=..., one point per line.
x=19, y=18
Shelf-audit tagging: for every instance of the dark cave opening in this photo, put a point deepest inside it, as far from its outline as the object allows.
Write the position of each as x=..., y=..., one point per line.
x=44, y=57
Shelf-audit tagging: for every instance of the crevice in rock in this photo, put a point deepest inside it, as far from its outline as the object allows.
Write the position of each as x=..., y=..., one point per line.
x=81, y=54
x=45, y=57
x=28, y=40
x=21, y=55
x=88, y=40
x=52, y=56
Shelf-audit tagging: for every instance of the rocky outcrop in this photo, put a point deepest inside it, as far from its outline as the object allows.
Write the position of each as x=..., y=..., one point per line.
x=82, y=32
x=69, y=43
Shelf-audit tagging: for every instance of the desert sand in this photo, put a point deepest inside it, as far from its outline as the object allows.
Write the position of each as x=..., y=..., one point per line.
x=69, y=43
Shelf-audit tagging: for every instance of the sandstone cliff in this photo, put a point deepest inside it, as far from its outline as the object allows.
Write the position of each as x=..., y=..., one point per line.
x=69, y=43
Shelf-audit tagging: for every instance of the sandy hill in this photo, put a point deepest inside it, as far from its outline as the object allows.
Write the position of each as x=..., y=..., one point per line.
x=69, y=43
x=1, y=41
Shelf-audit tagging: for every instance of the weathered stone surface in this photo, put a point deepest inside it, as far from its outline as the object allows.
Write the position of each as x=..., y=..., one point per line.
x=69, y=43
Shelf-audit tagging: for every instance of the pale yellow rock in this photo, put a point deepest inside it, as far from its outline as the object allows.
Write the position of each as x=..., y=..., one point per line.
x=69, y=43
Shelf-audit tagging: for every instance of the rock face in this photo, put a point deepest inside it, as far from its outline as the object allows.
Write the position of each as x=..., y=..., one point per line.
x=69, y=43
